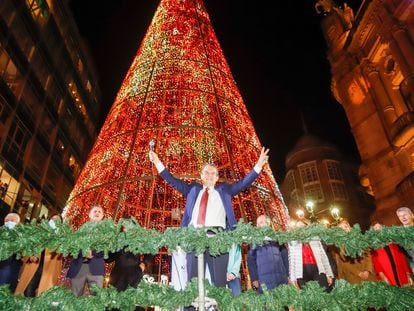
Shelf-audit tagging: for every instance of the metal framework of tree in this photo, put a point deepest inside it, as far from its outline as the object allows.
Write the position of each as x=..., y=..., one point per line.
x=179, y=91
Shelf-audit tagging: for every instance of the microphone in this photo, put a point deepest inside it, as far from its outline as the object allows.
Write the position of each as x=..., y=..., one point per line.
x=152, y=145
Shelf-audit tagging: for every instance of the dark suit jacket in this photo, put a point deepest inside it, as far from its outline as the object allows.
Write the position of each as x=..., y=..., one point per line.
x=225, y=190
x=96, y=264
x=126, y=271
x=9, y=272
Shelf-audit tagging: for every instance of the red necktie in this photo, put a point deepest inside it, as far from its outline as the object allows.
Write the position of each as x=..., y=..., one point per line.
x=201, y=219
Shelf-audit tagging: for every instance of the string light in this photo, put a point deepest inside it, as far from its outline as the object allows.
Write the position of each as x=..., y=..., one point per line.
x=179, y=91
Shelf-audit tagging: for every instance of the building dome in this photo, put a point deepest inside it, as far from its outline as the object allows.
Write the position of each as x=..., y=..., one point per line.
x=307, y=147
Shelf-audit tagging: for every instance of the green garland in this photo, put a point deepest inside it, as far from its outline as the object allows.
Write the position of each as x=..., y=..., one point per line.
x=344, y=296
x=106, y=236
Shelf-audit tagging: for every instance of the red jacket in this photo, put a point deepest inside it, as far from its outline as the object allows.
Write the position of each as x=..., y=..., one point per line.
x=382, y=263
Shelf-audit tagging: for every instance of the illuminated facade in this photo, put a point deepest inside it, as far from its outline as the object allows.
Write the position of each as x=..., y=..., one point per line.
x=372, y=63
x=49, y=105
x=317, y=172
x=179, y=91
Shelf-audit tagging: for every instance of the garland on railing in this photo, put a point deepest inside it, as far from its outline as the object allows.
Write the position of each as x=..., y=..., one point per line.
x=344, y=296
x=31, y=239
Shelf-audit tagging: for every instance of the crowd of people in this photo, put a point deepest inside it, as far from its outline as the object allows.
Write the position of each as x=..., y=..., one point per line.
x=270, y=264
x=32, y=275
x=209, y=206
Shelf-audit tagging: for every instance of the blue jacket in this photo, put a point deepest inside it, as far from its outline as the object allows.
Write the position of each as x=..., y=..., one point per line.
x=9, y=272
x=226, y=191
x=268, y=264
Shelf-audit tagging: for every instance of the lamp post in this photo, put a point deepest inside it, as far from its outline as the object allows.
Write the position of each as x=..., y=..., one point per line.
x=300, y=213
x=335, y=214
x=310, y=208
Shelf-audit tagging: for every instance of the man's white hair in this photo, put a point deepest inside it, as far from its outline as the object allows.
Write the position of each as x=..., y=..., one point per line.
x=14, y=215
x=404, y=209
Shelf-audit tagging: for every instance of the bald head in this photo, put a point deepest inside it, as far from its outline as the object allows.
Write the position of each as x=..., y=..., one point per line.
x=263, y=221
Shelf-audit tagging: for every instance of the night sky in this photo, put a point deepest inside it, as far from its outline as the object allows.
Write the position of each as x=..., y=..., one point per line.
x=275, y=50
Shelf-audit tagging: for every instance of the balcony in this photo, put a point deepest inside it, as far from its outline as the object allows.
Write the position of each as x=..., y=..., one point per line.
x=402, y=130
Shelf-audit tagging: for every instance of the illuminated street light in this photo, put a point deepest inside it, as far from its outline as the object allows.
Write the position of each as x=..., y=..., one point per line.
x=309, y=206
x=300, y=213
x=335, y=213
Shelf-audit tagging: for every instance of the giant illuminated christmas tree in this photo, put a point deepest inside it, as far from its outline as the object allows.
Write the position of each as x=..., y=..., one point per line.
x=178, y=91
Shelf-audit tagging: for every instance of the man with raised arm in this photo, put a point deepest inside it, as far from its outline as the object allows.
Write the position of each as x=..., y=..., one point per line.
x=209, y=205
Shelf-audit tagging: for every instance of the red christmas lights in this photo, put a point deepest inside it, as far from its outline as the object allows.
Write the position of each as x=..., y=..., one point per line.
x=179, y=91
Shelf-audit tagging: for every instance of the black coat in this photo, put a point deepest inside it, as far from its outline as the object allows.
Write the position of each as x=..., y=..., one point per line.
x=126, y=271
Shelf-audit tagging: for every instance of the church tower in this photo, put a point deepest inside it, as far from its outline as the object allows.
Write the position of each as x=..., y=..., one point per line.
x=180, y=94
x=372, y=64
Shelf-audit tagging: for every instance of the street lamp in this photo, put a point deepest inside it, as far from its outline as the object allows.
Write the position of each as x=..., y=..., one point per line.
x=300, y=213
x=310, y=208
x=335, y=214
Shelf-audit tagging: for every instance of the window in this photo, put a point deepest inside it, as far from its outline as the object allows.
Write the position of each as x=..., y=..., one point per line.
x=334, y=170
x=308, y=172
x=23, y=38
x=26, y=201
x=10, y=73
x=16, y=141
x=313, y=192
x=9, y=186
x=41, y=68
x=339, y=191
x=5, y=111
x=74, y=165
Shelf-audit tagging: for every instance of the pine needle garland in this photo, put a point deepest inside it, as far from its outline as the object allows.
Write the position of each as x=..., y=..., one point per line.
x=106, y=236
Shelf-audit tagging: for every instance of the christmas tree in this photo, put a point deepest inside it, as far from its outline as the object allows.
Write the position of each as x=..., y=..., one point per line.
x=180, y=94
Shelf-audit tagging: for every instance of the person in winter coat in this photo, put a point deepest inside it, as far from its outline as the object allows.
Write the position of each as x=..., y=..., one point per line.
x=309, y=262
x=391, y=263
x=267, y=263
x=40, y=273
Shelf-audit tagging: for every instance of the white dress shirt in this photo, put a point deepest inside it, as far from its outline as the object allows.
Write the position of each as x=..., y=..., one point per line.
x=215, y=215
